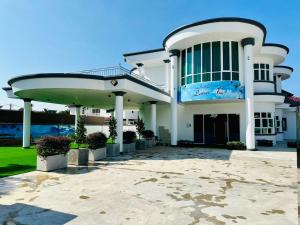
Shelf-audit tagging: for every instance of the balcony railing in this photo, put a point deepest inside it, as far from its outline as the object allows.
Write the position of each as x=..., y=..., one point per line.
x=119, y=71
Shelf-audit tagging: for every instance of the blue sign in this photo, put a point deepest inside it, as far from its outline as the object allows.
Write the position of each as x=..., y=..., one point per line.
x=211, y=91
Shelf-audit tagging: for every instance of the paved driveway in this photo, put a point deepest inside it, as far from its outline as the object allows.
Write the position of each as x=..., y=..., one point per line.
x=162, y=186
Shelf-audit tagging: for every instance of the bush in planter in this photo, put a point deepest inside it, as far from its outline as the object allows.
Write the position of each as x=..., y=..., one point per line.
x=48, y=146
x=292, y=144
x=235, y=145
x=185, y=143
x=148, y=134
x=140, y=127
x=112, y=129
x=129, y=137
x=265, y=143
x=96, y=140
x=80, y=133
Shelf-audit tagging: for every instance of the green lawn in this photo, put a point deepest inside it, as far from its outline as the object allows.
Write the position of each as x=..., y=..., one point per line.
x=16, y=160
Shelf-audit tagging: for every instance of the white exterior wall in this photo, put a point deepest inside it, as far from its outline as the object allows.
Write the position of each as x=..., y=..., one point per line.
x=105, y=129
x=156, y=73
x=290, y=133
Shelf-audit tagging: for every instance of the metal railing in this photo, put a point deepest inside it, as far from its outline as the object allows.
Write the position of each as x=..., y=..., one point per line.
x=119, y=71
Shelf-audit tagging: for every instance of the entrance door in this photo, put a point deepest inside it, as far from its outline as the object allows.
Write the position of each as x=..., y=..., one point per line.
x=221, y=129
x=234, y=127
x=198, y=129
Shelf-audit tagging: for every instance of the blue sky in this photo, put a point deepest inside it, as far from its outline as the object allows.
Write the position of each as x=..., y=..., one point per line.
x=70, y=35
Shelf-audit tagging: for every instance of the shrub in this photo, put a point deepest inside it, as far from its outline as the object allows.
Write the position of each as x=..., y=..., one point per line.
x=185, y=143
x=265, y=143
x=129, y=137
x=47, y=146
x=148, y=134
x=112, y=129
x=80, y=133
x=96, y=140
x=140, y=127
x=292, y=144
x=235, y=145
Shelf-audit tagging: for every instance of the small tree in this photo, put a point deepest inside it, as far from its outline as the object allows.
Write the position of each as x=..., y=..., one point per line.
x=140, y=127
x=112, y=129
x=80, y=133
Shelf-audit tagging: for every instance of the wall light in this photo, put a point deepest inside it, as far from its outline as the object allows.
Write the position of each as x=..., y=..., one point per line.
x=114, y=82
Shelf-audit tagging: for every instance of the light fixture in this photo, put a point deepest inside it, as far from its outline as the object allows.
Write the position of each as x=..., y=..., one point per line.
x=114, y=82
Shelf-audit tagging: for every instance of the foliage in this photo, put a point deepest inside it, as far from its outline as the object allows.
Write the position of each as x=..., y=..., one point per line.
x=112, y=129
x=235, y=145
x=96, y=140
x=265, y=143
x=140, y=127
x=185, y=143
x=80, y=133
x=148, y=134
x=129, y=137
x=52, y=145
x=292, y=144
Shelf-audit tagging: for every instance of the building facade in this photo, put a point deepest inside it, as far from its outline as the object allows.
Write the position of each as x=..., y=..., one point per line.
x=213, y=81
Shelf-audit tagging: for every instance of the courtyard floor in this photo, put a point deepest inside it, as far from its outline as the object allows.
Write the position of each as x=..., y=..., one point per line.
x=161, y=186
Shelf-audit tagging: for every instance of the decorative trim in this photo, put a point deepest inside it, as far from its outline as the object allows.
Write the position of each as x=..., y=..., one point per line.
x=7, y=88
x=139, y=64
x=278, y=45
x=286, y=67
x=263, y=81
x=144, y=52
x=85, y=76
x=215, y=20
x=268, y=93
x=174, y=52
x=152, y=102
x=166, y=60
x=248, y=41
x=119, y=93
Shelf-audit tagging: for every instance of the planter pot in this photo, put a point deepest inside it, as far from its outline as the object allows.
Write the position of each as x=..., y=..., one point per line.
x=129, y=147
x=113, y=149
x=97, y=154
x=78, y=157
x=53, y=162
x=150, y=143
x=140, y=145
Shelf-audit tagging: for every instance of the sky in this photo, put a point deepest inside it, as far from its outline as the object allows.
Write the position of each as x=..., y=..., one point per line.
x=71, y=35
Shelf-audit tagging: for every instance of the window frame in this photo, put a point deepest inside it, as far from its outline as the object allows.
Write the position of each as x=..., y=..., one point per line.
x=259, y=130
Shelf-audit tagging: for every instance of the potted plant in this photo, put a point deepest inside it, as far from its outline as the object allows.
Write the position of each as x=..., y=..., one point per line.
x=79, y=154
x=96, y=144
x=112, y=148
x=235, y=145
x=140, y=127
x=51, y=153
x=148, y=135
x=129, y=138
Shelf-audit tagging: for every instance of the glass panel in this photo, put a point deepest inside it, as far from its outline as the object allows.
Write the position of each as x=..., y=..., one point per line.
x=269, y=115
x=269, y=130
x=197, y=78
x=257, y=122
x=270, y=122
x=257, y=130
x=226, y=75
x=183, y=81
x=189, y=79
x=183, y=64
x=216, y=56
x=235, y=56
x=262, y=75
x=256, y=115
x=264, y=123
x=267, y=66
x=256, y=66
x=206, y=77
x=256, y=75
x=189, y=60
x=268, y=75
x=206, y=57
x=263, y=115
x=265, y=130
x=235, y=76
x=226, y=64
x=262, y=66
x=197, y=59
x=216, y=76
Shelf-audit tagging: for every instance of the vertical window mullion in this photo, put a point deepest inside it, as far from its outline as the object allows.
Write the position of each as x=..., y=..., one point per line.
x=221, y=71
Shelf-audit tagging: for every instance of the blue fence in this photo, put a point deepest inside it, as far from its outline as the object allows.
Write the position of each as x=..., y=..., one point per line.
x=37, y=131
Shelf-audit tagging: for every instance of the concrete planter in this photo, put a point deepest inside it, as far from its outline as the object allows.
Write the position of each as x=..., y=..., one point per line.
x=140, y=145
x=97, y=154
x=113, y=149
x=149, y=143
x=53, y=162
x=129, y=147
x=78, y=157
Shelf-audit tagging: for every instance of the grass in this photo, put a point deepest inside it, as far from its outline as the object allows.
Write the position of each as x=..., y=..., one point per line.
x=16, y=160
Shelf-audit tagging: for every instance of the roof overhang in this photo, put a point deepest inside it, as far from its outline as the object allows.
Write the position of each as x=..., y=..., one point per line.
x=284, y=71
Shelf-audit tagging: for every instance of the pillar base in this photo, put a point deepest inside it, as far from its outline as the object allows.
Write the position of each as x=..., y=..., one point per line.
x=26, y=147
x=251, y=149
x=173, y=145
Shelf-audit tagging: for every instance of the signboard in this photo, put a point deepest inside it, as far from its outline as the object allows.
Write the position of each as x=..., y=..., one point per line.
x=211, y=91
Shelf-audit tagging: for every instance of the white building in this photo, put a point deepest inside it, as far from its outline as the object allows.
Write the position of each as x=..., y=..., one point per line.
x=213, y=81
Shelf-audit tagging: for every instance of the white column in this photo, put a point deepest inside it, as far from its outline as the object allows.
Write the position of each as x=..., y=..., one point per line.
x=119, y=117
x=140, y=69
x=26, y=123
x=167, y=65
x=173, y=91
x=153, y=117
x=278, y=83
x=77, y=115
x=248, y=43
